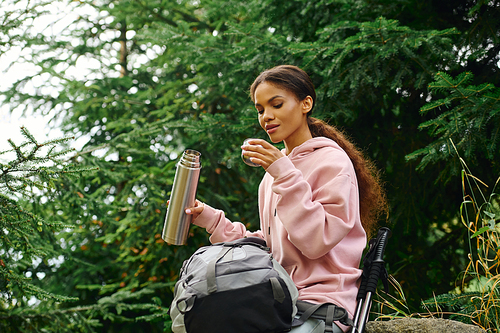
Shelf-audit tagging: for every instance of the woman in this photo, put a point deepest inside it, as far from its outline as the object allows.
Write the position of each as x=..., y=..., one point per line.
x=317, y=200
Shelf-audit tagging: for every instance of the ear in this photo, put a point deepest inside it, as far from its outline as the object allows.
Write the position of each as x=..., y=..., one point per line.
x=307, y=104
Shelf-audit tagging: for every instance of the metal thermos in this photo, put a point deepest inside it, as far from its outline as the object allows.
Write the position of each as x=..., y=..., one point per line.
x=177, y=222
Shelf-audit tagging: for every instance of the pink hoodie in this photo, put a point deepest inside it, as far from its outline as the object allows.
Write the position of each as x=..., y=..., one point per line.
x=309, y=217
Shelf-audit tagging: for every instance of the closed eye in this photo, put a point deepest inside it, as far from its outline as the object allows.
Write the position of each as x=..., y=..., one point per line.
x=277, y=106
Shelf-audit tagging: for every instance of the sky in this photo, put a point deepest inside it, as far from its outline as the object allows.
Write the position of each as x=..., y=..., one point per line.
x=10, y=123
x=12, y=68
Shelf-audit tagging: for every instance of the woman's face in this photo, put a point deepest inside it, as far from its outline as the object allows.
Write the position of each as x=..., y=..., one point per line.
x=282, y=115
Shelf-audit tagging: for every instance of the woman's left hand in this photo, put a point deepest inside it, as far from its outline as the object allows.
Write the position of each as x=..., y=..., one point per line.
x=261, y=152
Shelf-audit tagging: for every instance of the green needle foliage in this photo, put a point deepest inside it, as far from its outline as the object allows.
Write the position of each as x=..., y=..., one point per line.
x=137, y=82
x=26, y=237
x=32, y=248
x=471, y=119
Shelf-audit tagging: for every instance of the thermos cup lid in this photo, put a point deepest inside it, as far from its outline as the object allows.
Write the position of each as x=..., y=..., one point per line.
x=246, y=159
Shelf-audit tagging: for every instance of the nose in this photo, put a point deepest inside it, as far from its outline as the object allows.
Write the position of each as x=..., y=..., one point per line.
x=268, y=114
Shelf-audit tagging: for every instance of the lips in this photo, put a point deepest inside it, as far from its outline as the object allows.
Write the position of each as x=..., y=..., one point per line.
x=271, y=128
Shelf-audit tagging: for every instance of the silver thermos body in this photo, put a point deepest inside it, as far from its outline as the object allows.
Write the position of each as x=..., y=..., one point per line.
x=183, y=195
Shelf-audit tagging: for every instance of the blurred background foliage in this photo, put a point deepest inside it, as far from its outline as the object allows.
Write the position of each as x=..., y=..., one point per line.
x=139, y=81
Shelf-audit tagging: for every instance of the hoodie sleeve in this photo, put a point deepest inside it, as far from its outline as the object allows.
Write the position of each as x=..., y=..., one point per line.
x=318, y=212
x=220, y=228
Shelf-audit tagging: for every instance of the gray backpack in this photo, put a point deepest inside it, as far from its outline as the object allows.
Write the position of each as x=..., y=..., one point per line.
x=233, y=287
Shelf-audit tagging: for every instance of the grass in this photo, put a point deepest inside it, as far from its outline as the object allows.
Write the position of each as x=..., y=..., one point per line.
x=477, y=298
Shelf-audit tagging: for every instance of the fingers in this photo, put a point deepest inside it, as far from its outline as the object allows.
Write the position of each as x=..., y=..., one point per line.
x=258, y=146
x=196, y=210
x=251, y=154
x=254, y=143
x=261, y=152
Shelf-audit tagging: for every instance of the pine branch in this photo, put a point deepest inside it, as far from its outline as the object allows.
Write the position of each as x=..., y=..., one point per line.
x=468, y=114
x=23, y=233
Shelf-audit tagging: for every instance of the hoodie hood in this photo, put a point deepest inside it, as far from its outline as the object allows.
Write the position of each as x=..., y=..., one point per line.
x=310, y=146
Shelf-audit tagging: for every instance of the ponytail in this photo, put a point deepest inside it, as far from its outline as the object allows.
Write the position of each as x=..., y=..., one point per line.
x=372, y=199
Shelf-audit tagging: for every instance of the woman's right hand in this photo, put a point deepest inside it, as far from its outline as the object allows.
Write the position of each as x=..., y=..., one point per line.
x=196, y=210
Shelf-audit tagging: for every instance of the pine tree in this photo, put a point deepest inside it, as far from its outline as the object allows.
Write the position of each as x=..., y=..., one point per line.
x=171, y=75
x=26, y=238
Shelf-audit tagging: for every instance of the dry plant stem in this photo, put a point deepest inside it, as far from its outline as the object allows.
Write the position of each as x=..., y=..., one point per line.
x=484, y=263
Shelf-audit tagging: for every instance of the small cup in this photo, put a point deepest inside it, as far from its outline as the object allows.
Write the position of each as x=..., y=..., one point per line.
x=246, y=159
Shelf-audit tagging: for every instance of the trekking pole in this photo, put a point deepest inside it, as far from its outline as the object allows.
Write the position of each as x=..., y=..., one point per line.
x=369, y=283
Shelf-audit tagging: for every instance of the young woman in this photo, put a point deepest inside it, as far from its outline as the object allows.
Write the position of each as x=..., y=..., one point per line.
x=317, y=200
